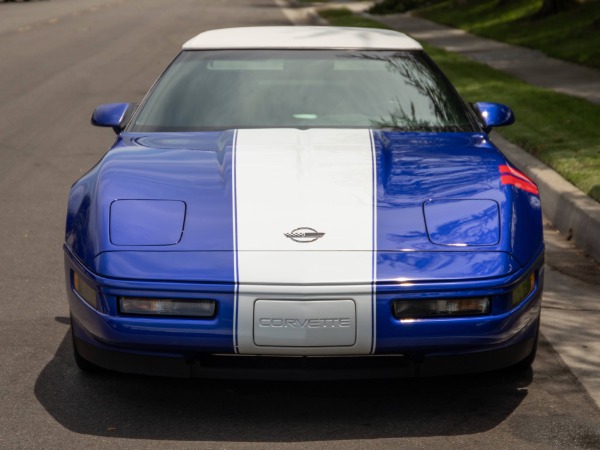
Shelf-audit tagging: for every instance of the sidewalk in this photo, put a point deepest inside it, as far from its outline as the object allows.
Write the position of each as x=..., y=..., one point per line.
x=529, y=65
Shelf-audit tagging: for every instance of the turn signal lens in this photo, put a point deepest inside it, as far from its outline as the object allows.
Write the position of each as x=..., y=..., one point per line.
x=167, y=307
x=511, y=176
x=84, y=290
x=523, y=290
x=417, y=309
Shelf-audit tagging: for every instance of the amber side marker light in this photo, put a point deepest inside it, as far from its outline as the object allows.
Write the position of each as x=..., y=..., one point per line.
x=84, y=290
x=522, y=291
x=166, y=307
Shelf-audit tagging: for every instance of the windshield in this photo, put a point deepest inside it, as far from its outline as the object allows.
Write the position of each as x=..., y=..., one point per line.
x=225, y=89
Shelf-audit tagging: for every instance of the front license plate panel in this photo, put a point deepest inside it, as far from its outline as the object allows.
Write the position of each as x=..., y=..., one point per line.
x=314, y=323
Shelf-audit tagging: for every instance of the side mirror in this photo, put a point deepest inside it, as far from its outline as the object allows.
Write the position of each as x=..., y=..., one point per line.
x=494, y=114
x=113, y=115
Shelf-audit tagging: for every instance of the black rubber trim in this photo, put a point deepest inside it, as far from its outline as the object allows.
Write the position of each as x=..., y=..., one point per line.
x=305, y=368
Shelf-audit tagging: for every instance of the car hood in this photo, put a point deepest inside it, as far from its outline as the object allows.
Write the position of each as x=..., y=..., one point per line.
x=289, y=190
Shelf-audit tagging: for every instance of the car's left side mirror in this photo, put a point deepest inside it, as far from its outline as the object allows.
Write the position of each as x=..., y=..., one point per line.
x=114, y=115
x=494, y=114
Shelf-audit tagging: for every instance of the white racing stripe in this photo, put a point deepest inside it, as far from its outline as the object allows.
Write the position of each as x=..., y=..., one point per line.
x=287, y=179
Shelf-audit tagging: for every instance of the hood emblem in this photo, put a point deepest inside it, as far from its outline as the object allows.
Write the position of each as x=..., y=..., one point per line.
x=304, y=235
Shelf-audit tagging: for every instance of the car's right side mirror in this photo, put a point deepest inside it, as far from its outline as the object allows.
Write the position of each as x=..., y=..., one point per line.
x=494, y=114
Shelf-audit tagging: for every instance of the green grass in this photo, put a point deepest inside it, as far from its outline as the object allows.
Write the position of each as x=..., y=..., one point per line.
x=561, y=131
x=572, y=35
x=395, y=6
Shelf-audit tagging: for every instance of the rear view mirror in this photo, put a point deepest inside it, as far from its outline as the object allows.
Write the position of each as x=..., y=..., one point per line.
x=113, y=115
x=494, y=114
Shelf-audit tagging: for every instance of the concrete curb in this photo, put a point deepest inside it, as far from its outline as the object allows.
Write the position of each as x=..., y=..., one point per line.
x=575, y=214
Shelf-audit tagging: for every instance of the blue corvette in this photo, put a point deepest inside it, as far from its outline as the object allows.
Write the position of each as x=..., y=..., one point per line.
x=309, y=202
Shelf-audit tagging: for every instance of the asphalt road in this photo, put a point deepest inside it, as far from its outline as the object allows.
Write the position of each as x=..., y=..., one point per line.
x=60, y=58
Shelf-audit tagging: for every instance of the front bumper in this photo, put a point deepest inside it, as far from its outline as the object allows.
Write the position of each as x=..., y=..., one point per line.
x=199, y=365
x=205, y=347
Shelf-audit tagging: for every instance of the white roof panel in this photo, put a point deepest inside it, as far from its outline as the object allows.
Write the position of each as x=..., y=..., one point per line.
x=302, y=37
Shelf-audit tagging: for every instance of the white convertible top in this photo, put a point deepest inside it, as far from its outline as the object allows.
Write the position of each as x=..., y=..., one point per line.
x=302, y=37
